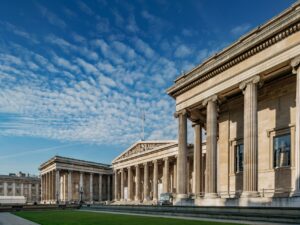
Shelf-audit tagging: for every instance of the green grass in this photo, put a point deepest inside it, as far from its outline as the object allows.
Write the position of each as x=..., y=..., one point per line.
x=69, y=217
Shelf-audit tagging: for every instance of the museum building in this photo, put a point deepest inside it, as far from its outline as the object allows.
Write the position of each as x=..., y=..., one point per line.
x=68, y=180
x=13, y=186
x=247, y=98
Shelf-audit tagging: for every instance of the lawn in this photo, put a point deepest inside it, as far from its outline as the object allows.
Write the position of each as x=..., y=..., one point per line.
x=94, y=218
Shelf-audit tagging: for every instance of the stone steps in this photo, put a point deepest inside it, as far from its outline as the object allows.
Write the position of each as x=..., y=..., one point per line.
x=259, y=214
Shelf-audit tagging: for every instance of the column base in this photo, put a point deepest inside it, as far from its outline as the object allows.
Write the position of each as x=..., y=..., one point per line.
x=250, y=194
x=296, y=193
x=211, y=195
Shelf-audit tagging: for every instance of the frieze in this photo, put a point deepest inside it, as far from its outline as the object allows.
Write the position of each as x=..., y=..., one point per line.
x=140, y=148
x=209, y=70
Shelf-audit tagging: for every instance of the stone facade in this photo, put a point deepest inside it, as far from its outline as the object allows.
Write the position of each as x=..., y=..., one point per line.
x=67, y=180
x=247, y=98
x=141, y=176
x=21, y=185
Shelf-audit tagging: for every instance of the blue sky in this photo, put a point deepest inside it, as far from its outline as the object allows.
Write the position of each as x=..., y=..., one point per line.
x=75, y=76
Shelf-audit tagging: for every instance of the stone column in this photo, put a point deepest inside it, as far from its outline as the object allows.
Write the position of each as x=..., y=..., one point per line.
x=116, y=186
x=146, y=182
x=166, y=175
x=296, y=70
x=182, y=154
x=47, y=193
x=211, y=147
x=108, y=187
x=81, y=185
x=29, y=193
x=49, y=187
x=57, y=185
x=188, y=175
x=130, y=184
x=138, y=182
x=155, y=181
x=5, y=188
x=70, y=186
x=100, y=188
x=122, y=184
x=22, y=189
x=175, y=174
x=42, y=188
x=91, y=188
x=198, y=175
x=37, y=192
x=250, y=174
x=14, y=189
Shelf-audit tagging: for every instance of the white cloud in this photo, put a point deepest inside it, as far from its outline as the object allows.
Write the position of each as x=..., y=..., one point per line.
x=240, y=29
x=51, y=17
x=182, y=51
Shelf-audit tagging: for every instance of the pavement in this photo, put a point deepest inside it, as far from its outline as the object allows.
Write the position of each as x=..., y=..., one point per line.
x=188, y=218
x=10, y=219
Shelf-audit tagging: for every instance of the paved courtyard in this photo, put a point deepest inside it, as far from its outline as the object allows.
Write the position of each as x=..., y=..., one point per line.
x=10, y=219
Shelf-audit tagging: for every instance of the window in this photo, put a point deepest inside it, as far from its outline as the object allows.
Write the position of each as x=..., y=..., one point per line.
x=239, y=159
x=282, y=150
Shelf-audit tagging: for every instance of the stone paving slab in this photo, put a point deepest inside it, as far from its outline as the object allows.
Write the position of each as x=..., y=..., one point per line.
x=10, y=219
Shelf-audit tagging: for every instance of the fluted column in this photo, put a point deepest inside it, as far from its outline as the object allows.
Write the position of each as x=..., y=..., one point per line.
x=70, y=186
x=146, y=182
x=91, y=187
x=57, y=185
x=250, y=173
x=138, y=183
x=130, y=184
x=116, y=186
x=166, y=175
x=122, y=184
x=198, y=175
x=155, y=180
x=175, y=173
x=296, y=70
x=37, y=192
x=182, y=154
x=211, y=147
x=100, y=188
x=108, y=187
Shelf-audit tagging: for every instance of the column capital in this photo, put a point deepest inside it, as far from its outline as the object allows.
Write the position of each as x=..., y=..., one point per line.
x=256, y=79
x=198, y=123
x=154, y=161
x=212, y=98
x=295, y=63
x=137, y=166
x=181, y=112
x=128, y=167
x=166, y=159
x=145, y=164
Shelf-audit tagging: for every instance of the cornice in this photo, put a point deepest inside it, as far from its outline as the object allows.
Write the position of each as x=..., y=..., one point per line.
x=277, y=29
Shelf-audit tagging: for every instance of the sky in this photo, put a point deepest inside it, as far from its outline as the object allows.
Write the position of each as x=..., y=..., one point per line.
x=77, y=76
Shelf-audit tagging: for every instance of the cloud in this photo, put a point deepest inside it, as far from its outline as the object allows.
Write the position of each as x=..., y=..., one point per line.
x=19, y=31
x=240, y=29
x=182, y=51
x=85, y=8
x=51, y=17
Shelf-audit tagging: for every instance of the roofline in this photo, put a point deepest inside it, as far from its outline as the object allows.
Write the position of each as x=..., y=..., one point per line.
x=57, y=157
x=140, y=142
x=213, y=59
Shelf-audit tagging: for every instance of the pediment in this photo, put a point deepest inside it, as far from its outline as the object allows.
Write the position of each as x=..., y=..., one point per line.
x=140, y=147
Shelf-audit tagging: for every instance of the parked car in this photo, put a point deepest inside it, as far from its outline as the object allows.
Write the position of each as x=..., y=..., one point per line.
x=165, y=199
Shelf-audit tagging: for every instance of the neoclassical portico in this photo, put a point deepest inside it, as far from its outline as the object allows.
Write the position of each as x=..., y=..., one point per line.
x=72, y=180
x=149, y=168
x=247, y=100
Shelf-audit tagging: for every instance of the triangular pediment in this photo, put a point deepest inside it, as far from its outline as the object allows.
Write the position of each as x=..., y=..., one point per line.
x=140, y=147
